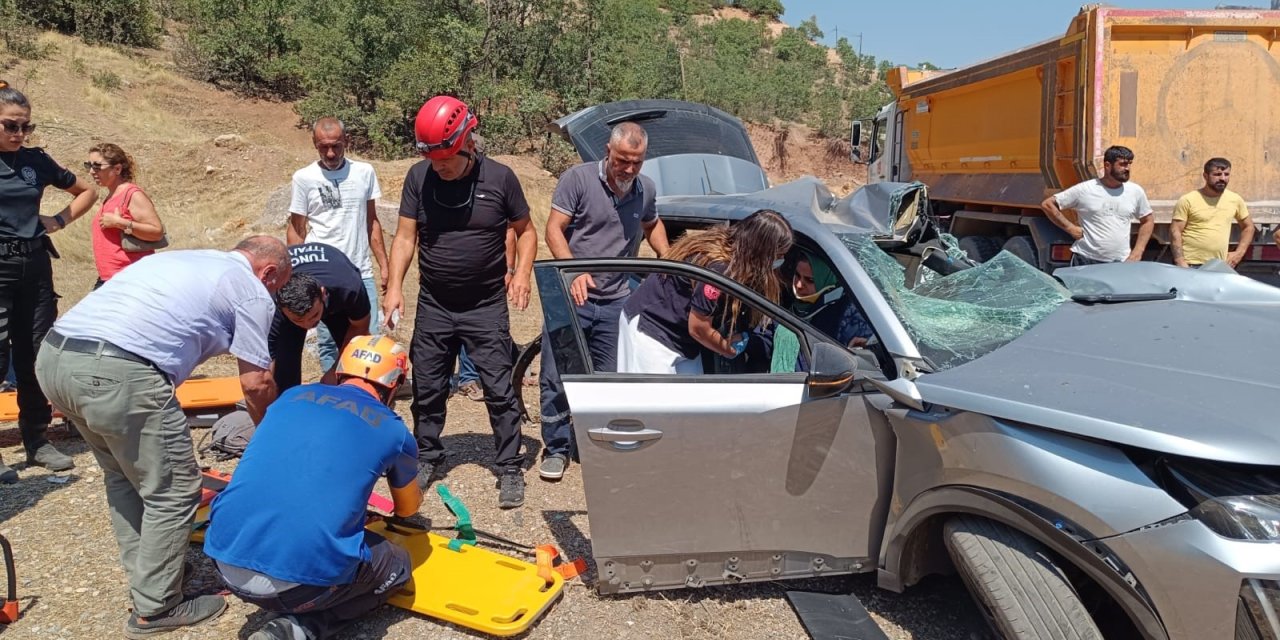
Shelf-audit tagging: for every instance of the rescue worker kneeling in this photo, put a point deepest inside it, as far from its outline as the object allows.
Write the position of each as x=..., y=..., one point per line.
x=288, y=532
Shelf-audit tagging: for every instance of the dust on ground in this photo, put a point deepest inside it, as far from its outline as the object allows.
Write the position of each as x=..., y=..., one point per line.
x=211, y=161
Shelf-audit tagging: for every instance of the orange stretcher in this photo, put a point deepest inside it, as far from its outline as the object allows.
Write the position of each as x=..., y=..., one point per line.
x=194, y=395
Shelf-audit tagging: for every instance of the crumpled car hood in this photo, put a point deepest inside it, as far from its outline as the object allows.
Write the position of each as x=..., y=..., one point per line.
x=1185, y=377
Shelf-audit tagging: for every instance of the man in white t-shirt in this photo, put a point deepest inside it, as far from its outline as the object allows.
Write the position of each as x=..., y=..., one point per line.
x=1106, y=207
x=335, y=203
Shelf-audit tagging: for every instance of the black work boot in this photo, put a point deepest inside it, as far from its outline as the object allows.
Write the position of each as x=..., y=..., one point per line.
x=510, y=488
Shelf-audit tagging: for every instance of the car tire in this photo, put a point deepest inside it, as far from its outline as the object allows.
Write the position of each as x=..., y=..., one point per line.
x=1015, y=581
x=1024, y=247
x=525, y=354
x=980, y=248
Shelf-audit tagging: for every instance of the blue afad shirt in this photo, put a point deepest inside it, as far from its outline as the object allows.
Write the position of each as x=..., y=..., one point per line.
x=295, y=507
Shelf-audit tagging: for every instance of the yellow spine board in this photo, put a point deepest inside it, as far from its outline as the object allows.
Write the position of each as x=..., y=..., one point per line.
x=472, y=587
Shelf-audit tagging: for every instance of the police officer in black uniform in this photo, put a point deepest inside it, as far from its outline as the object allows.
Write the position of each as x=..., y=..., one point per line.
x=455, y=211
x=28, y=304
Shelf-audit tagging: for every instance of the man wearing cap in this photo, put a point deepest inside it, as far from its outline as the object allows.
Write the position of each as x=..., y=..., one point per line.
x=599, y=210
x=455, y=210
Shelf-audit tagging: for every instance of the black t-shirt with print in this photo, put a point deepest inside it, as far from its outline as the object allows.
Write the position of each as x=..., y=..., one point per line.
x=462, y=229
x=346, y=296
x=663, y=303
x=23, y=177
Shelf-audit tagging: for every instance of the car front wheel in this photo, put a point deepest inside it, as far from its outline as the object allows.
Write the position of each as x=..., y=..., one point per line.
x=1022, y=591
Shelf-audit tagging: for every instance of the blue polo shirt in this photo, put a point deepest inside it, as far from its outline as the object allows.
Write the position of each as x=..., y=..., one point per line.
x=295, y=507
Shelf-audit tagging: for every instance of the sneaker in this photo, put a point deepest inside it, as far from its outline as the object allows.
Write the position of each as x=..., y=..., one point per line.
x=50, y=458
x=510, y=488
x=552, y=467
x=191, y=611
x=472, y=391
x=7, y=475
x=282, y=628
x=426, y=474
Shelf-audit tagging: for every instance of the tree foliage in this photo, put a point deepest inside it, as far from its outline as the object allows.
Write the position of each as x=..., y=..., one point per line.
x=518, y=63
x=127, y=22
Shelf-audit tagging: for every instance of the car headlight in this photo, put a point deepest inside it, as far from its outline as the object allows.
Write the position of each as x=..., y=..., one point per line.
x=1235, y=501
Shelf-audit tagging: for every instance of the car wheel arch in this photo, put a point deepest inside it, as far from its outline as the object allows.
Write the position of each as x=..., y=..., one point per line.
x=914, y=548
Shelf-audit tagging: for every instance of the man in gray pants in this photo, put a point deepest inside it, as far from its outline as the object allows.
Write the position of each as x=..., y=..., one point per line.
x=111, y=365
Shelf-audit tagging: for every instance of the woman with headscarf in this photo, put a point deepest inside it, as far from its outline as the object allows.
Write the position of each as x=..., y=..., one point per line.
x=669, y=319
x=821, y=301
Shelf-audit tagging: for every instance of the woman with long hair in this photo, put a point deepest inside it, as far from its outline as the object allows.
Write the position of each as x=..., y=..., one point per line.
x=126, y=211
x=669, y=319
x=28, y=303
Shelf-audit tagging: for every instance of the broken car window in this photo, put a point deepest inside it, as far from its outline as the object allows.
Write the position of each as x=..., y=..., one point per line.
x=958, y=318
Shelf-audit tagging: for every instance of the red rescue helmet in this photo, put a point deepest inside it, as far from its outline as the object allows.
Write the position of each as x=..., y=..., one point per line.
x=442, y=126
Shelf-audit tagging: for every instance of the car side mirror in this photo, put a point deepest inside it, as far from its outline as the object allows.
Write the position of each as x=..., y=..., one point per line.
x=832, y=372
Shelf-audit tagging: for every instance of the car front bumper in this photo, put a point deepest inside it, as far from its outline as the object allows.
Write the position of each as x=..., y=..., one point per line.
x=1204, y=585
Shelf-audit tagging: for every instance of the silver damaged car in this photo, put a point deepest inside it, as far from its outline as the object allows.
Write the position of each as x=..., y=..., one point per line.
x=1096, y=454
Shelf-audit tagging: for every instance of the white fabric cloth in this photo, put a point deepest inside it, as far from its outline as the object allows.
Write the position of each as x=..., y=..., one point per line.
x=639, y=353
x=336, y=206
x=178, y=309
x=1106, y=216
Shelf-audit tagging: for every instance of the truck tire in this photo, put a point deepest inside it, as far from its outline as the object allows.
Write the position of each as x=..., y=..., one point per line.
x=1024, y=247
x=980, y=248
x=1013, y=578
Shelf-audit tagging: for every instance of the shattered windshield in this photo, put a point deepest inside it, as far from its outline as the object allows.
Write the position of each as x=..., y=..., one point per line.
x=958, y=318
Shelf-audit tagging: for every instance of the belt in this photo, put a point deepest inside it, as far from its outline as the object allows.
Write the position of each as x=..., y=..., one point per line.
x=95, y=347
x=20, y=246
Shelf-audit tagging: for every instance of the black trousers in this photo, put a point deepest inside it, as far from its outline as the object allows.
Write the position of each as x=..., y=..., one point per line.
x=28, y=307
x=324, y=611
x=286, y=342
x=485, y=330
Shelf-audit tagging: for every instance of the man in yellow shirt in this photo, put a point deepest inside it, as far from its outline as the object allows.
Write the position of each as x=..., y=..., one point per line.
x=1202, y=220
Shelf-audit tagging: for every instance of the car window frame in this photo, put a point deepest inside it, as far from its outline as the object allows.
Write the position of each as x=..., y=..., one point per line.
x=579, y=366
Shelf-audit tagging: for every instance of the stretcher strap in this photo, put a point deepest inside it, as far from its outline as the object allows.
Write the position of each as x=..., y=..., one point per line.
x=546, y=556
x=466, y=532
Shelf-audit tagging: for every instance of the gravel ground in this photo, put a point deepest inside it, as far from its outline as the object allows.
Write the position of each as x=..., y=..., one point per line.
x=70, y=583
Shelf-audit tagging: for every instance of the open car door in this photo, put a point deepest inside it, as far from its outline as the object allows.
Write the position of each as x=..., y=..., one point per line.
x=722, y=478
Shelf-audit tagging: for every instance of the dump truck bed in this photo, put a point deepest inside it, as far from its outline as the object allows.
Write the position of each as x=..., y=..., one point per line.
x=1176, y=86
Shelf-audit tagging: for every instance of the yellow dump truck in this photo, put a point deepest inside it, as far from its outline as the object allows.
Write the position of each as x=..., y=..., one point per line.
x=1178, y=87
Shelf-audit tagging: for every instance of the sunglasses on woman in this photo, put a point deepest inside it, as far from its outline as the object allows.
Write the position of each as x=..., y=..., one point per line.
x=96, y=166
x=11, y=127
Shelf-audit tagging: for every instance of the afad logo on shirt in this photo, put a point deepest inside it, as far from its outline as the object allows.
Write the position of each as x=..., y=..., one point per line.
x=29, y=176
x=710, y=292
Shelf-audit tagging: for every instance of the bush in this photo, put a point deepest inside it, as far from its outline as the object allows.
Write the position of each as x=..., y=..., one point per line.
x=125, y=22
x=106, y=80
x=20, y=38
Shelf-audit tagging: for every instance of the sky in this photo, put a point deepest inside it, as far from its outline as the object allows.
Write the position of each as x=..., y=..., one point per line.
x=955, y=33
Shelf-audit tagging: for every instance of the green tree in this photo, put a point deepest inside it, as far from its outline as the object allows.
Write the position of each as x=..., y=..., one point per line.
x=762, y=8
x=127, y=22
x=809, y=29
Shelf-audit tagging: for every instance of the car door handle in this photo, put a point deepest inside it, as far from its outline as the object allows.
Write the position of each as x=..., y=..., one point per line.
x=627, y=439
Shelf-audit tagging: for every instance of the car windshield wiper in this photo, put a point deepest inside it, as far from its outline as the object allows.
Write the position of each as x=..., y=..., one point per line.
x=1114, y=298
